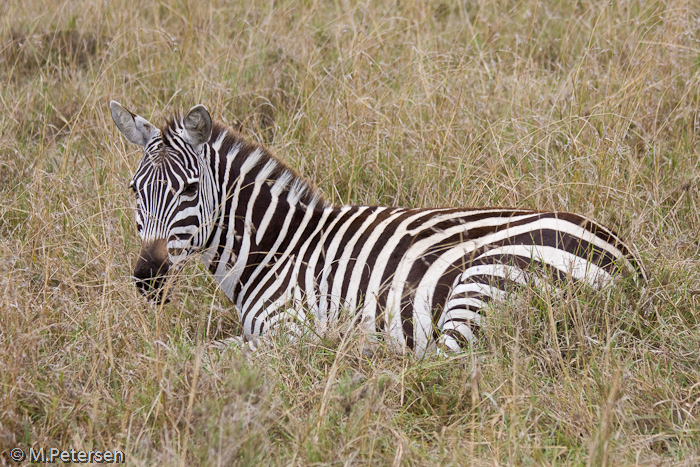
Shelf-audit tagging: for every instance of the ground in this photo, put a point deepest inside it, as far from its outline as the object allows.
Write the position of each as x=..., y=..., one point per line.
x=590, y=107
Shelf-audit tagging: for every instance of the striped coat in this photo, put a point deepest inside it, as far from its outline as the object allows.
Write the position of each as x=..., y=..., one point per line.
x=287, y=258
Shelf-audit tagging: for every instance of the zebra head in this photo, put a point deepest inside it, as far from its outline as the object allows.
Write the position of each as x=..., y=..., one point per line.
x=174, y=189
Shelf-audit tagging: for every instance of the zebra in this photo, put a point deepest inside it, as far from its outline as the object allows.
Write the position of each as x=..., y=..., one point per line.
x=288, y=259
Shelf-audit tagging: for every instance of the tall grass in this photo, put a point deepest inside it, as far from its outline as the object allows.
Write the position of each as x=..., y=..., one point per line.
x=585, y=106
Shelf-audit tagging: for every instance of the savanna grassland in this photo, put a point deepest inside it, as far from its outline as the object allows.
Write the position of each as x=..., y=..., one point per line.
x=583, y=106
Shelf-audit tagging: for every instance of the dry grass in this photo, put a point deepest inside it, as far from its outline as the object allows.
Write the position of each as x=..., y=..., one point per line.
x=583, y=106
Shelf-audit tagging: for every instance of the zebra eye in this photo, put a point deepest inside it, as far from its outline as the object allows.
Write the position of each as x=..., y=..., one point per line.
x=190, y=189
x=132, y=187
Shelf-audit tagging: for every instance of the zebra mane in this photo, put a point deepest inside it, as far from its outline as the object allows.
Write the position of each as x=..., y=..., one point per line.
x=256, y=159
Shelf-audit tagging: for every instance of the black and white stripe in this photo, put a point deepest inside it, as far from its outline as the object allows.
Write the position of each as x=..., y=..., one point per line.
x=277, y=249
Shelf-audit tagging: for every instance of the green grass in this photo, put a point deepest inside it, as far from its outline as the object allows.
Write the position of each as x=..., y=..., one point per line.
x=590, y=107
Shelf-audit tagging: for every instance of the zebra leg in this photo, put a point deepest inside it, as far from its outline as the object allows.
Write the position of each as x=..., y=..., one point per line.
x=471, y=292
x=247, y=344
x=283, y=323
x=461, y=319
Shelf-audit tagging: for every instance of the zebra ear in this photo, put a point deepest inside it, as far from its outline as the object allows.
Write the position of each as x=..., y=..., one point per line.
x=197, y=126
x=136, y=130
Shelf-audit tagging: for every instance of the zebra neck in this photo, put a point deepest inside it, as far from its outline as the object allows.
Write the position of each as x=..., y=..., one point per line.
x=262, y=209
x=243, y=259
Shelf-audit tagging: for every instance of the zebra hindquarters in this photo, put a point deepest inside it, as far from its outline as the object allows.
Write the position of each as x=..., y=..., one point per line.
x=504, y=268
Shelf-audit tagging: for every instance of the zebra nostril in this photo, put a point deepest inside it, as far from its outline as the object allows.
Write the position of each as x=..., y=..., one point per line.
x=152, y=288
x=151, y=269
x=145, y=286
x=142, y=286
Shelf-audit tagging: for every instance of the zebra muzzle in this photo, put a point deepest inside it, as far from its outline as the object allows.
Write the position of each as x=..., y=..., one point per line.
x=151, y=270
